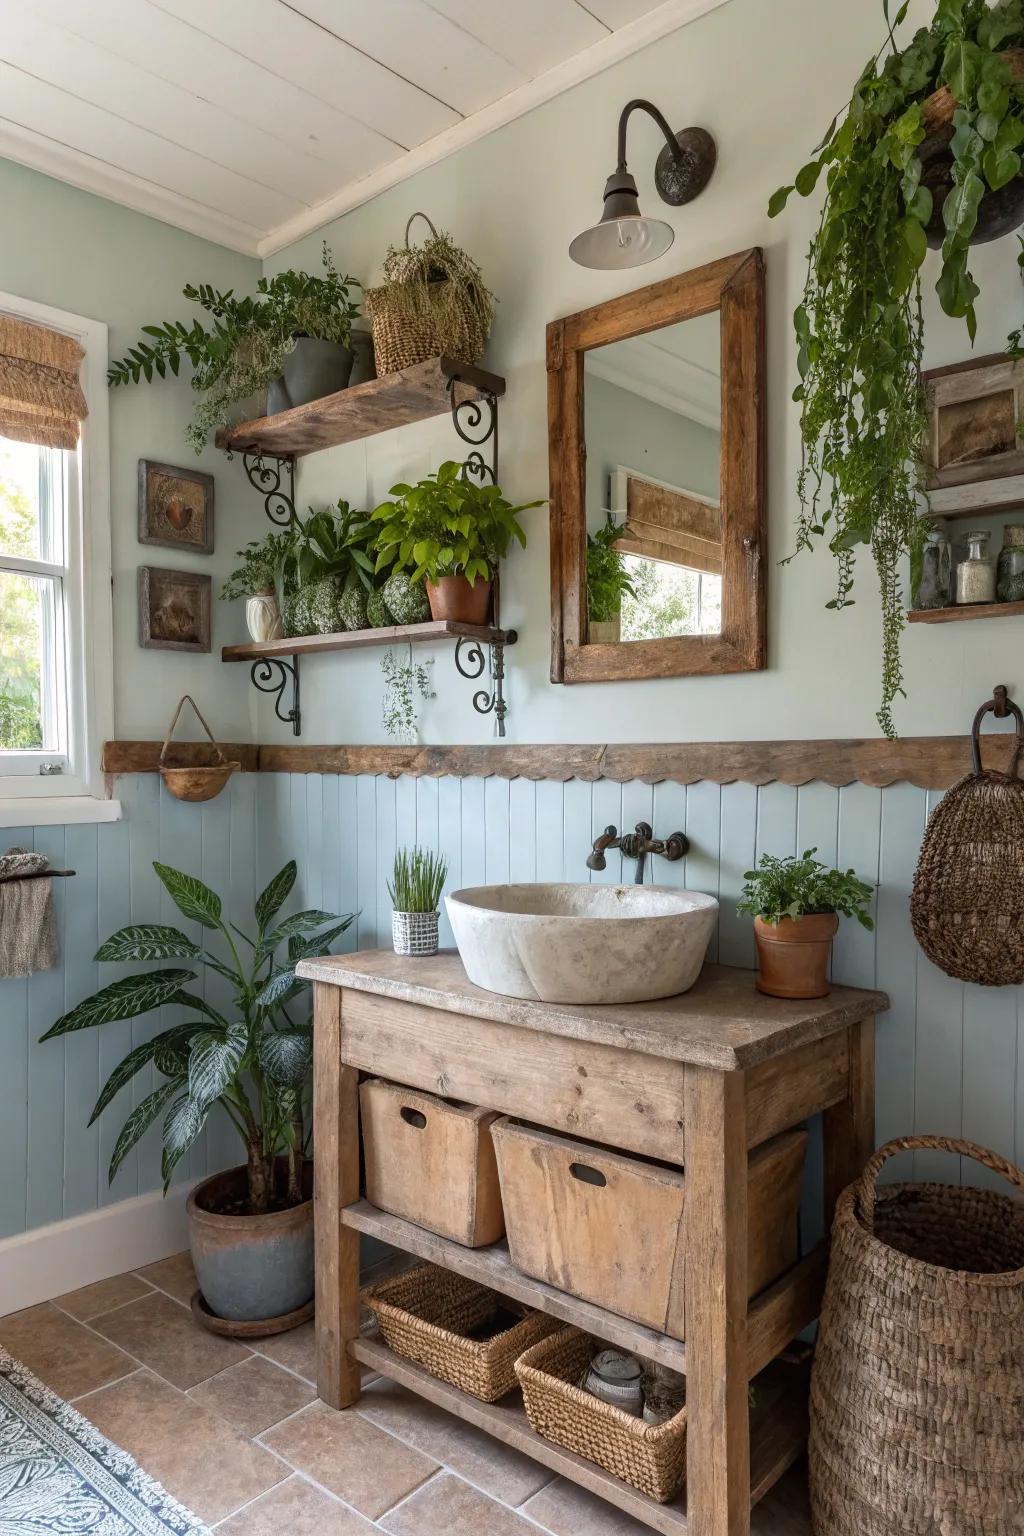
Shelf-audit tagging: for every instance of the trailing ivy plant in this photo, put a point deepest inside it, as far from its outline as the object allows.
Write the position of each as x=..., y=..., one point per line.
x=403, y=681
x=249, y=1054
x=859, y=327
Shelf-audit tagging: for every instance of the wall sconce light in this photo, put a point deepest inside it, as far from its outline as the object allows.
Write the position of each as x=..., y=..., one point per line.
x=623, y=237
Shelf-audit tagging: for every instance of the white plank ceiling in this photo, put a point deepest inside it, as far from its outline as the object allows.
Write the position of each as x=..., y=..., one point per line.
x=253, y=122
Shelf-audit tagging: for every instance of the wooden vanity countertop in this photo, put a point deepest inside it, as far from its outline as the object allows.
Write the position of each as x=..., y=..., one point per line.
x=722, y=1022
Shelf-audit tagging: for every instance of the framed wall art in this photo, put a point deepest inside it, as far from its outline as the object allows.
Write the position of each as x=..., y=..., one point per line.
x=174, y=610
x=974, y=449
x=175, y=507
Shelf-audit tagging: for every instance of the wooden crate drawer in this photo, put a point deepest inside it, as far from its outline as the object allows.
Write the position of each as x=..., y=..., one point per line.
x=605, y=1226
x=431, y=1162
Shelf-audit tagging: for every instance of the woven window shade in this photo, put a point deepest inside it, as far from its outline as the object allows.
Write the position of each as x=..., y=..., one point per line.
x=41, y=399
x=669, y=525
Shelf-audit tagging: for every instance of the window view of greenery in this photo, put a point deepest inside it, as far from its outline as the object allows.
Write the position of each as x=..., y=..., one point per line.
x=669, y=600
x=21, y=600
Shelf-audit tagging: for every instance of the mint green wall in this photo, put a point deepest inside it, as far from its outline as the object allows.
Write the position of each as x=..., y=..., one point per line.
x=81, y=253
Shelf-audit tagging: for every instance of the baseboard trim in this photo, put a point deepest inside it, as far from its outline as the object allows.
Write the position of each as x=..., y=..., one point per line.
x=50, y=1261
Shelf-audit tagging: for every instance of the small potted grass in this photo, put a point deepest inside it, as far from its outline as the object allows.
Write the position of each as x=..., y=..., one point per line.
x=796, y=904
x=415, y=889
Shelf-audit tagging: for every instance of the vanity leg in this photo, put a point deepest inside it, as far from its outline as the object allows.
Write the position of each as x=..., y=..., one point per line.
x=336, y=1184
x=715, y=1247
x=849, y=1126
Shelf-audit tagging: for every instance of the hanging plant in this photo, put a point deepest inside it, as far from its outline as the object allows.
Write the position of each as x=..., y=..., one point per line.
x=403, y=680
x=928, y=153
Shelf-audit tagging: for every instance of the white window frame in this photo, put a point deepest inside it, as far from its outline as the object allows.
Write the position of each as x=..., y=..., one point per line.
x=79, y=791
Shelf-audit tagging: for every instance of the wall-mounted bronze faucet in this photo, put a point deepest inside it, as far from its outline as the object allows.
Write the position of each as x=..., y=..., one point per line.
x=637, y=845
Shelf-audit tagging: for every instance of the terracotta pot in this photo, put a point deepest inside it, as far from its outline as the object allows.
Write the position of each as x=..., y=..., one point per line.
x=454, y=598
x=251, y=1268
x=792, y=955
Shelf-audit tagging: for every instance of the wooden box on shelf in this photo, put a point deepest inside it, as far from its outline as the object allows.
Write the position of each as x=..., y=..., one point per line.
x=593, y=1222
x=431, y=1162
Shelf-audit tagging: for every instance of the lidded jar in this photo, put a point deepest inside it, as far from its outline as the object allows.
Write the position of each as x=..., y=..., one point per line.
x=1010, y=567
x=976, y=576
x=934, y=584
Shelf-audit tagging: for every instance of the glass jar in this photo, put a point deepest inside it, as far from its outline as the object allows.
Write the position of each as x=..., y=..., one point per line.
x=934, y=585
x=1010, y=567
x=976, y=576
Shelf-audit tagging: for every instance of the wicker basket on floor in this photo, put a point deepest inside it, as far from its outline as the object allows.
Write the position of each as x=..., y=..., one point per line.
x=426, y=1314
x=651, y=1457
x=917, y=1392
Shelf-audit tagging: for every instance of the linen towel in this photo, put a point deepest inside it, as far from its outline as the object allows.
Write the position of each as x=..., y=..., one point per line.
x=28, y=926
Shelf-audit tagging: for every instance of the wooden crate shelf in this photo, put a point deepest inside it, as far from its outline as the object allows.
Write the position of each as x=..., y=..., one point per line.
x=775, y=1317
x=968, y=611
x=396, y=400
x=356, y=639
x=778, y=1437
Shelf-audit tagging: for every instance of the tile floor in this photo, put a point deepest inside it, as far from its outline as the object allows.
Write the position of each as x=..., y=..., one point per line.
x=238, y=1435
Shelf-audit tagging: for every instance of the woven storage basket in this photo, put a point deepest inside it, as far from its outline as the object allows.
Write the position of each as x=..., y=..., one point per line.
x=425, y=1315
x=651, y=1457
x=917, y=1392
x=432, y=303
x=967, y=904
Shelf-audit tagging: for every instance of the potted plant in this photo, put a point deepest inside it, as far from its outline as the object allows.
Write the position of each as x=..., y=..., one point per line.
x=608, y=582
x=796, y=904
x=329, y=570
x=929, y=152
x=449, y=533
x=415, y=888
x=259, y=579
x=291, y=338
x=251, y=1229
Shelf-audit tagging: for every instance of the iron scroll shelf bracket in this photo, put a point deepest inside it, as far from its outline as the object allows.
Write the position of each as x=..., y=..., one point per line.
x=470, y=663
x=476, y=422
x=271, y=476
x=272, y=674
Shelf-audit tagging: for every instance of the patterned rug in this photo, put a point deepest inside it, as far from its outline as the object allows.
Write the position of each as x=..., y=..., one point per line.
x=60, y=1477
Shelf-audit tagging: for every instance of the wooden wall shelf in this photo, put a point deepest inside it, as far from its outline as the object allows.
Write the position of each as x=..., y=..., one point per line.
x=957, y=615
x=396, y=400
x=357, y=639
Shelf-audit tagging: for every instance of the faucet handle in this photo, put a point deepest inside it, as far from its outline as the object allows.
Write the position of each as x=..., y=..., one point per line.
x=644, y=831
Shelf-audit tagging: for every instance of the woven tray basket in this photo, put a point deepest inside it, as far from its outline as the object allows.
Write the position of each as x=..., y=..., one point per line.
x=651, y=1457
x=917, y=1392
x=425, y=1315
x=414, y=318
x=967, y=904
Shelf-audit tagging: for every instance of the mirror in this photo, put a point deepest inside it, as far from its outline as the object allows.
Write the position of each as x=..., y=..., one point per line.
x=652, y=415
x=656, y=449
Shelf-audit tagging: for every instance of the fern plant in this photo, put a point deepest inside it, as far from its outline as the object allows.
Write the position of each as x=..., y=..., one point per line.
x=253, y=1058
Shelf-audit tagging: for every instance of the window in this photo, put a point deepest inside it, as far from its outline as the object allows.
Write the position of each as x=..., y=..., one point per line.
x=55, y=644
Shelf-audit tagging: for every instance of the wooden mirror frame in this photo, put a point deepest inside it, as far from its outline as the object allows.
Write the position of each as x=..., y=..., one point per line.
x=735, y=287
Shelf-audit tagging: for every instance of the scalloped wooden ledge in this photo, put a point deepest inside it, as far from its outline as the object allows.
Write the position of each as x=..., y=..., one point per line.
x=929, y=762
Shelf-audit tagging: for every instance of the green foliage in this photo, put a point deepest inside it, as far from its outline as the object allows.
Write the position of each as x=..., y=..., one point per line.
x=337, y=541
x=264, y=563
x=797, y=887
x=405, y=601
x=662, y=602
x=446, y=524
x=254, y=1060
x=403, y=681
x=859, y=327
x=608, y=580
x=20, y=641
x=242, y=347
x=20, y=724
x=417, y=880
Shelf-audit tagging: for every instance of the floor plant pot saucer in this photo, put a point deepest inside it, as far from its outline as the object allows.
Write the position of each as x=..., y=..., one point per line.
x=251, y=1267
x=248, y=1330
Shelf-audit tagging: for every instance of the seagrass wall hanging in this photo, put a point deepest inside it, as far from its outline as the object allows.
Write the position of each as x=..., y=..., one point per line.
x=967, y=903
x=432, y=303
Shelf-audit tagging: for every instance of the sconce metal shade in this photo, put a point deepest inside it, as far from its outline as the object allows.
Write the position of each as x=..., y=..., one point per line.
x=623, y=238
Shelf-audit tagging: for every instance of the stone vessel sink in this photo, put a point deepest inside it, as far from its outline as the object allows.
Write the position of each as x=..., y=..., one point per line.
x=582, y=943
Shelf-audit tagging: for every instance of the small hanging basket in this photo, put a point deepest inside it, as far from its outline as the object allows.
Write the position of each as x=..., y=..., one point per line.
x=432, y=303
x=195, y=781
x=967, y=904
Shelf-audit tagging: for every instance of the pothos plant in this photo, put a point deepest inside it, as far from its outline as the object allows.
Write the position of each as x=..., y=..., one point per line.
x=447, y=524
x=250, y=1055
x=859, y=327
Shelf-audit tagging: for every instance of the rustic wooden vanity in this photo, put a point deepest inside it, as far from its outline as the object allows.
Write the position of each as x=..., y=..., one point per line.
x=696, y=1081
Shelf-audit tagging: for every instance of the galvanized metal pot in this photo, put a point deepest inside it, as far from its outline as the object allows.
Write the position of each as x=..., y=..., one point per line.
x=250, y=1268
x=312, y=369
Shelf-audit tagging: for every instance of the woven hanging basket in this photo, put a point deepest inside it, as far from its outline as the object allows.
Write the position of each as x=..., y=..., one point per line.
x=967, y=904
x=193, y=781
x=432, y=303
x=917, y=1391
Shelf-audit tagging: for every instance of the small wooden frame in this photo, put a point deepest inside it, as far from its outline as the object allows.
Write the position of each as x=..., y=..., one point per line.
x=174, y=610
x=973, y=454
x=735, y=287
x=175, y=507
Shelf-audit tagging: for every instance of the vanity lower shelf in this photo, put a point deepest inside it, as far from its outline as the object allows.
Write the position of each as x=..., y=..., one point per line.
x=774, y=1319
x=778, y=1437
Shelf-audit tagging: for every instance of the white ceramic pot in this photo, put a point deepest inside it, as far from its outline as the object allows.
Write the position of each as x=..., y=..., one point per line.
x=414, y=933
x=263, y=617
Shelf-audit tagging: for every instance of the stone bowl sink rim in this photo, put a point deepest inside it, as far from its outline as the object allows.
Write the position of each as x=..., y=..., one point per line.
x=670, y=900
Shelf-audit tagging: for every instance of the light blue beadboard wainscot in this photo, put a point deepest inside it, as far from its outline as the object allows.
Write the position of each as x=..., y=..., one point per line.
x=950, y=1058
